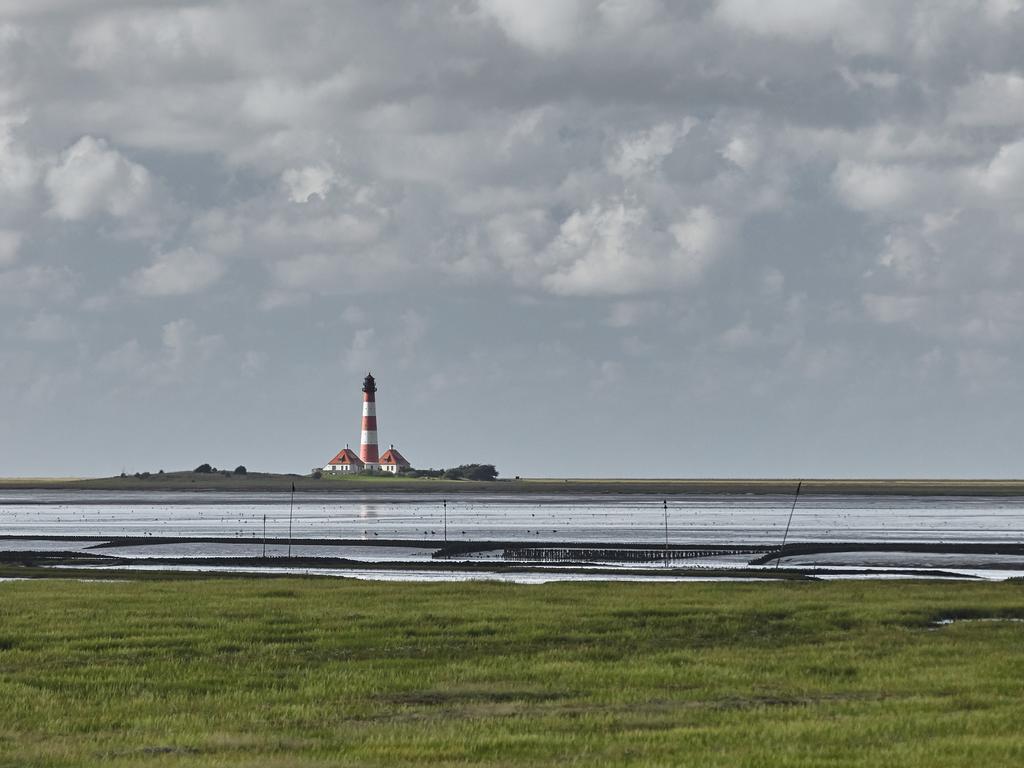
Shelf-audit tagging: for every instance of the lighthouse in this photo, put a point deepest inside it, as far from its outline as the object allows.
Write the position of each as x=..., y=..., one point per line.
x=369, y=458
x=368, y=439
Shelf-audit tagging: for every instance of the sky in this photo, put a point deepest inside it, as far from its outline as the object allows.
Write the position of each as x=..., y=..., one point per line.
x=580, y=238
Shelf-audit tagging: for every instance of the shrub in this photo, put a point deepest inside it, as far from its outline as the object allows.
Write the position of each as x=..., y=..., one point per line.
x=472, y=472
x=241, y=470
x=425, y=473
x=203, y=469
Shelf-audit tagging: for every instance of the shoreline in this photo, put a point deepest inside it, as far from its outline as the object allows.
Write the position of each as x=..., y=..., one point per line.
x=268, y=482
x=613, y=561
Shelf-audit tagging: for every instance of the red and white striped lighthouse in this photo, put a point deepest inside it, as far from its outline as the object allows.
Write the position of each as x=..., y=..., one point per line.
x=368, y=439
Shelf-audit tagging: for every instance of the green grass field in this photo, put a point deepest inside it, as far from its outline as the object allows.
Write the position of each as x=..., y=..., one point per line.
x=292, y=672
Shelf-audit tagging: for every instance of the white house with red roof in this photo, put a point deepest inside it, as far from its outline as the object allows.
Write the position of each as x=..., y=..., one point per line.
x=392, y=461
x=345, y=461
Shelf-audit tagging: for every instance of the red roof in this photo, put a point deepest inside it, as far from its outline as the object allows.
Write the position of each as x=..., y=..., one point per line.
x=346, y=456
x=391, y=456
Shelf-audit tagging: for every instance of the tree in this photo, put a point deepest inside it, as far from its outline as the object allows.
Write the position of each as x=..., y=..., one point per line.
x=241, y=470
x=203, y=469
x=472, y=472
x=481, y=472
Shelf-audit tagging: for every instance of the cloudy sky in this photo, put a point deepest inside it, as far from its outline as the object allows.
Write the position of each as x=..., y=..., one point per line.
x=570, y=237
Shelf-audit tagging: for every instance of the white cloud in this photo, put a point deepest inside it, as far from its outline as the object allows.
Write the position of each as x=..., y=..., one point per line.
x=183, y=344
x=168, y=35
x=46, y=327
x=1003, y=177
x=772, y=283
x=303, y=183
x=997, y=11
x=626, y=314
x=617, y=251
x=276, y=298
x=18, y=171
x=92, y=178
x=608, y=375
x=183, y=271
x=740, y=335
x=33, y=285
x=910, y=258
x=549, y=26
x=345, y=227
x=125, y=359
x=412, y=328
x=854, y=24
x=182, y=354
x=253, y=363
x=336, y=273
x=514, y=239
x=10, y=242
x=889, y=309
x=309, y=270
x=992, y=99
x=876, y=186
x=983, y=368
x=641, y=152
x=742, y=151
x=628, y=15
x=19, y=8
x=277, y=101
x=362, y=353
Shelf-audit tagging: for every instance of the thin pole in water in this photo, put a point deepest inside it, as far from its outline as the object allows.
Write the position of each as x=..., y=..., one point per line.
x=291, y=506
x=264, y=536
x=664, y=506
x=786, y=534
x=445, y=503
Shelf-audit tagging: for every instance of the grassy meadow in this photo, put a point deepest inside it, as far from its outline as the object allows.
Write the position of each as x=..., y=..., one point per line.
x=325, y=672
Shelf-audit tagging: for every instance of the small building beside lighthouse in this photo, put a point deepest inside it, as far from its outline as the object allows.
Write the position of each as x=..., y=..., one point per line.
x=368, y=459
x=345, y=461
x=394, y=462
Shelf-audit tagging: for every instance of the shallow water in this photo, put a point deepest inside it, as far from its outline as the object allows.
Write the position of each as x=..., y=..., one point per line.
x=720, y=519
x=998, y=620
x=274, y=549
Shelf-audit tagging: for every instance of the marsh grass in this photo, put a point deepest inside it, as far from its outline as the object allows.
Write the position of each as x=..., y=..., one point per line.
x=294, y=672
